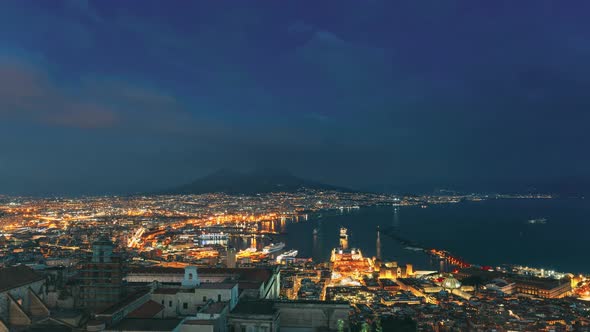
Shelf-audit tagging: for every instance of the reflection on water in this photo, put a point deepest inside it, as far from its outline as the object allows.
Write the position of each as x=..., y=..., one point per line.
x=317, y=251
x=396, y=218
x=471, y=230
x=378, y=244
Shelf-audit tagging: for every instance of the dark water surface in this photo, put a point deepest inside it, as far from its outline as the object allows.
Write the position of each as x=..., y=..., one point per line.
x=491, y=232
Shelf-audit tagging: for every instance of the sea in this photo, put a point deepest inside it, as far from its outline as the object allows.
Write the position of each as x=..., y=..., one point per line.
x=492, y=232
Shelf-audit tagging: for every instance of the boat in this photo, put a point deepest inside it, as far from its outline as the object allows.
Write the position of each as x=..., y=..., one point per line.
x=247, y=251
x=290, y=253
x=213, y=236
x=273, y=247
x=539, y=221
x=413, y=248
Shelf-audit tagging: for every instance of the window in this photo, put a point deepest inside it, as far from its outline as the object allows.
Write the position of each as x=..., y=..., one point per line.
x=190, y=276
x=185, y=305
x=204, y=299
x=169, y=303
x=162, y=302
x=218, y=297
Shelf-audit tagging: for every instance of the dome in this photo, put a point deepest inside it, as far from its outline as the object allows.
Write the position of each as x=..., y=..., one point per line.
x=451, y=283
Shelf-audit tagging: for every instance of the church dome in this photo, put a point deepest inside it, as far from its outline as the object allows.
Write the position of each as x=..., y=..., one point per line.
x=451, y=283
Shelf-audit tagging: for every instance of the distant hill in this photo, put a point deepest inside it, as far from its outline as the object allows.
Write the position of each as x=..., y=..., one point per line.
x=260, y=181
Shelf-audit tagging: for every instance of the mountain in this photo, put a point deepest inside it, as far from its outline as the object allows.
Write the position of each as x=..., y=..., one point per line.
x=256, y=182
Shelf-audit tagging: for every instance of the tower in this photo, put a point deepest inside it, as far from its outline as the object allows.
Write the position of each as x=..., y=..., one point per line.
x=191, y=278
x=102, y=276
x=409, y=270
x=343, y=238
x=231, y=258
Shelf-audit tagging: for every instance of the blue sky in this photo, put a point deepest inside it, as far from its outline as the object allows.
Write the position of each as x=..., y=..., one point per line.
x=127, y=96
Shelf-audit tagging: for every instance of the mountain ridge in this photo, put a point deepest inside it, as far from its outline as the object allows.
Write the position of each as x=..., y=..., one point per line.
x=255, y=182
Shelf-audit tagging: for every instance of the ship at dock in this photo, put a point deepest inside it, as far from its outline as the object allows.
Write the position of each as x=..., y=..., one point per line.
x=221, y=236
x=273, y=247
x=286, y=255
x=211, y=238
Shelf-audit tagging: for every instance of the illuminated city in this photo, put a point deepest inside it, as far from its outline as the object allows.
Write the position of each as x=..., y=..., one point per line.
x=294, y=166
x=159, y=238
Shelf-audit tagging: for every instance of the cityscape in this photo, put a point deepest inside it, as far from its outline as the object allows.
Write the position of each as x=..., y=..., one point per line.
x=294, y=166
x=215, y=262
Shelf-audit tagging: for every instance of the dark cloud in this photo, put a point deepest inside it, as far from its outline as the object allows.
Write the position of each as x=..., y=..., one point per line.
x=29, y=92
x=127, y=96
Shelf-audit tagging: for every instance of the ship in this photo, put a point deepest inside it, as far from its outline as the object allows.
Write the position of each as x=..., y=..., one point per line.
x=273, y=247
x=413, y=248
x=290, y=253
x=247, y=251
x=213, y=236
x=539, y=221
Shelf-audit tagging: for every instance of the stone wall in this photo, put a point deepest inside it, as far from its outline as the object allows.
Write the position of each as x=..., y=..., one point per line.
x=301, y=316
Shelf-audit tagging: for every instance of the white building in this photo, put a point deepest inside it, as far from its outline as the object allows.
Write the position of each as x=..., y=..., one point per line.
x=192, y=295
x=253, y=283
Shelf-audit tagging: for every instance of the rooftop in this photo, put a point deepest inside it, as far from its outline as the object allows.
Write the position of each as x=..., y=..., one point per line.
x=219, y=285
x=215, y=308
x=168, y=291
x=147, y=310
x=254, y=308
x=17, y=276
x=241, y=274
x=199, y=322
x=140, y=324
x=125, y=302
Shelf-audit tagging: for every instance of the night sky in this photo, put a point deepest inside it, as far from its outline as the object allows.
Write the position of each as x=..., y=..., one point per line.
x=130, y=96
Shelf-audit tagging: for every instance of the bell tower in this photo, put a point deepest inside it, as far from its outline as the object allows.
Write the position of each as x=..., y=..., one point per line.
x=343, y=238
x=191, y=278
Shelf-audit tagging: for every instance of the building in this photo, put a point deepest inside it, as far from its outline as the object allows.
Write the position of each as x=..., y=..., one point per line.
x=102, y=277
x=544, y=288
x=501, y=285
x=192, y=295
x=391, y=270
x=145, y=325
x=179, y=302
x=290, y=316
x=343, y=238
x=309, y=316
x=22, y=307
x=231, y=258
x=253, y=283
x=22, y=292
x=259, y=316
x=132, y=303
x=212, y=318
